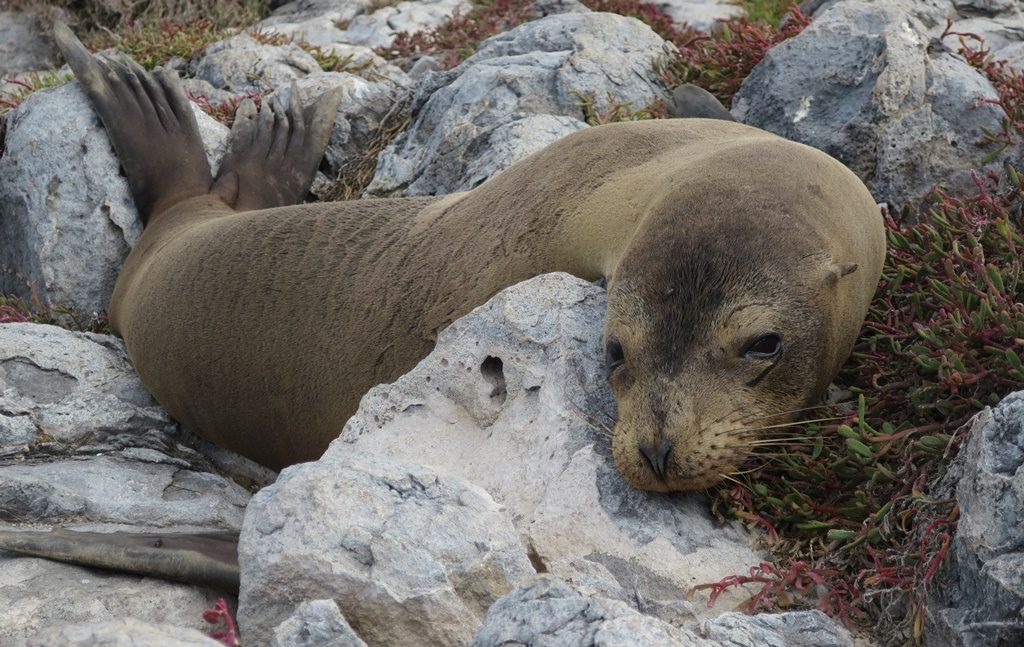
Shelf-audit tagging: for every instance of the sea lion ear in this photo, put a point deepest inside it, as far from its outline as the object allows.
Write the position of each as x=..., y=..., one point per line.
x=837, y=271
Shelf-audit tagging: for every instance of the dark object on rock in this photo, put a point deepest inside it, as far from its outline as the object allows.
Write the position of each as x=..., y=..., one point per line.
x=691, y=101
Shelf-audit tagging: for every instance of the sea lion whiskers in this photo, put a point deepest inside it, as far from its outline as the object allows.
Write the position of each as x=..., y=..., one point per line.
x=739, y=431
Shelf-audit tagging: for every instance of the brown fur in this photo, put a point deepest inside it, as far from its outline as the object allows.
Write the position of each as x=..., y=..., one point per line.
x=263, y=329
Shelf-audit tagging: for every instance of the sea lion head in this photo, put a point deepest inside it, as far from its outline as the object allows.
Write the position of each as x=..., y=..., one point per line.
x=721, y=328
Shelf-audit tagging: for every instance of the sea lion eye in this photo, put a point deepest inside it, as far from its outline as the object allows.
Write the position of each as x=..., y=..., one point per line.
x=613, y=355
x=765, y=346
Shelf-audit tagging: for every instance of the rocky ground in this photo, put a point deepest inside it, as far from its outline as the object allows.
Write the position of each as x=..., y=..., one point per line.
x=416, y=526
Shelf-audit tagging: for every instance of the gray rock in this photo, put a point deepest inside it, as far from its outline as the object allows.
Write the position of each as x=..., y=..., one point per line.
x=549, y=613
x=379, y=28
x=522, y=376
x=700, y=14
x=242, y=63
x=990, y=7
x=862, y=84
x=541, y=69
x=316, y=624
x=363, y=61
x=69, y=220
x=412, y=555
x=76, y=395
x=370, y=23
x=363, y=105
x=984, y=602
x=931, y=13
x=126, y=632
x=24, y=45
x=543, y=8
x=40, y=597
x=1013, y=55
x=72, y=405
x=200, y=88
x=162, y=494
x=66, y=389
x=83, y=445
x=793, y=629
x=999, y=32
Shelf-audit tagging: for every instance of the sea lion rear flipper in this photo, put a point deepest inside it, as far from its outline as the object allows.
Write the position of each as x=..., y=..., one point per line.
x=150, y=123
x=273, y=153
x=197, y=558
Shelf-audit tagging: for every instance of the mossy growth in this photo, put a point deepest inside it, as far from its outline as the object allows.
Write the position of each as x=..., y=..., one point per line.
x=767, y=11
x=153, y=44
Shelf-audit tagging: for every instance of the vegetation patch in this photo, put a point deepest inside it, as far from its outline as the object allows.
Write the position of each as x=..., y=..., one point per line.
x=769, y=11
x=94, y=18
x=855, y=506
x=355, y=175
x=153, y=44
x=456, y=39
x=618, y=110
x=1009, y=85
x=719, y=62
x=226, y=631
x=224, y=111
x=33, y=310
x=28, y=84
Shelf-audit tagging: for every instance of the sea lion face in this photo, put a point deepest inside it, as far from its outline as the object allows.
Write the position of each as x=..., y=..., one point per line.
x=704, y=350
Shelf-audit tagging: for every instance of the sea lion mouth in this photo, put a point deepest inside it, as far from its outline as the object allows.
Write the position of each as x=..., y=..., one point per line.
x=658, y=457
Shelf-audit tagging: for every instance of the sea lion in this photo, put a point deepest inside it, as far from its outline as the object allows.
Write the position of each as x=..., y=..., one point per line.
x=739, y=268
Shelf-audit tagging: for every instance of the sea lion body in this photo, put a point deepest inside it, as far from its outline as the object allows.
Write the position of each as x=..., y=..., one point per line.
x=739, y=268
x=263, y=329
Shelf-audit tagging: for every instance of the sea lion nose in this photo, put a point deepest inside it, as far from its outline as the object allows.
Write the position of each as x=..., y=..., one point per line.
x=657, y=456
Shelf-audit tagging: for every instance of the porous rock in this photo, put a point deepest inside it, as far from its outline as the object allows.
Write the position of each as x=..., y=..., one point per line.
x=412, y=555
x=40, y=598
x=791, y=629
x=243, y=63
x=984, y=602
x=125, y=632
x=65, y=389
x=862, y=84
x=23, y=44
x=514, y=399
x=359, y=22
x=549, y=612
x=69, y=220
x=539, y=73
x=318, y=623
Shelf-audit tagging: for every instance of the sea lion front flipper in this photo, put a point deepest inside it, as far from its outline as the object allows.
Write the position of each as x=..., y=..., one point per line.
x=273, y=153
x=150, y=124
x=210, y=559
